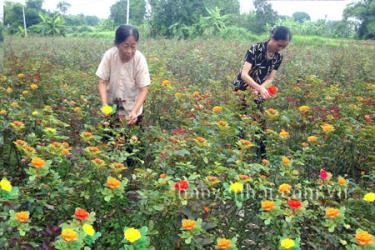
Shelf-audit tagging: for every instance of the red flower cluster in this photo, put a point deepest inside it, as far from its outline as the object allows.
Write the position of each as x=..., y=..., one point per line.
x=323, y=174
x=273, y=90
x=81, y=214
x=182, y=185
x=293, y=203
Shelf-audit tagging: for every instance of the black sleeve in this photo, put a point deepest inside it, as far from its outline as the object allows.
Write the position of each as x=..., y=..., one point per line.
x=250, y=55
x=278, y=63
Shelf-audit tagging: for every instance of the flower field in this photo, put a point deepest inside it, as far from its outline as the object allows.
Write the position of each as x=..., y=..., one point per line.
x=186, y=179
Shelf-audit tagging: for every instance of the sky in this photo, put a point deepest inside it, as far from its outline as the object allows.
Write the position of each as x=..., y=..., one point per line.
x=317, y=9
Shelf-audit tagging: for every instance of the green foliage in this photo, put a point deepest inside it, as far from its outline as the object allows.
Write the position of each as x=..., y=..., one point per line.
x=136, y=14
x=364, y=11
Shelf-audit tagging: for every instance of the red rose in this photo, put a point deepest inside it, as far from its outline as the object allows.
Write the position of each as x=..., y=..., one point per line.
x=323, y=174
x=294, y=203
x=81, y=214
x=182, y=185
x=273, y=90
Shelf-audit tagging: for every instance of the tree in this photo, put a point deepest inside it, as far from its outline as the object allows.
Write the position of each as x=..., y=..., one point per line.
x=214, y=22
x=364, y=12
x=301, y=17
x=225, y=6
x=63, y=7
x=167, y=16
x=264, y=15
x=136, y=14
x=50, y=25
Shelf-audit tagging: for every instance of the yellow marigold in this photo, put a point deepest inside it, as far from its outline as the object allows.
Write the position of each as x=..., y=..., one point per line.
x=88, y=229
x=287, y=243
x=217, y=109
x=312, y=138
x=17, y=124
x=5, y=185
x=94, y=150
x=327, y=128
x=9, y=90
x=304, y=108
x=196, y=94
x=14, y=105
x=98, y=162
x=369, y=197
x=283, y=134
x=177, y=94
x=188, y=224
x=87, y=135
x=65, y=151
x=21, y=75
x=22, y=216
x=332, y=212
x=222, y=243
x=246, y=142
x=38, y=162
x=132, y=234
x=364, y=238
x=107, y=110
x=265, y=162
x=342, y=181
x=268, y=205
x=35, y=113
x=212, y=178
x=33, y=86
x=285, y=188
x=3, y=112
x=118, y=165
x=236, y=187
x=285, y=161
x=20, y=142
x=77, y=109
x=25, y=92
x=113, y=183
x=166, y=82
x=69, y=234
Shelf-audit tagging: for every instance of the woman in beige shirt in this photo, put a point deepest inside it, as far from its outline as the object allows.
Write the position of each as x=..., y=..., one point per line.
x=124, y=75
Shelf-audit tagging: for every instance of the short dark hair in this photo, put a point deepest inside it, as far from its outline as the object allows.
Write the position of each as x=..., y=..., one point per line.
x=281, y=33
x=124, y=31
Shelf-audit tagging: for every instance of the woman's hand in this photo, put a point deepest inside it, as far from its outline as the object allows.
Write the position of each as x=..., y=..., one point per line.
x=264, y=92
x=132, y=118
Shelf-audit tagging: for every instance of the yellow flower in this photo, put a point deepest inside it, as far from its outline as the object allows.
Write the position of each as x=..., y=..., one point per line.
x=196, y=94
x=287, y=243
x=35, y=113
x=178, y=94
x=5, y=185
x=267, y=205
x=217, y=109
x=50, y=130
x=222, y=243
x=369, y=197
x=199, y=139
x=9, y=90
x=342, y=181
x=14, y=105
x=22, y=216
x=285, y=188
x=77, y=109
x=188, y=224
x=283, y=134
x=312, y=138
x=236, y=187
x=132, y=234
x=166, y=83
x=327, y=128
x=332, y=212
x=304, y=109
x=3, y=112
x=364, y=238
x=21, y=75
x=285, y=161
x=25, y=92
x=88, y=229
x=33, y=86
x=69, y=234
x=107, y=110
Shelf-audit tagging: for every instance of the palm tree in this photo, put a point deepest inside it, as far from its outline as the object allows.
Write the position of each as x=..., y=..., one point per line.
x=63, y=7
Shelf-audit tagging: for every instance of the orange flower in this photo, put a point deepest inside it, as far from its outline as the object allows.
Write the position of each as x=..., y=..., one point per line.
x=267, y=205
x=217, y=109
x=364, y=238
x=332, y=212
x=285, y=161
x=342, y=181
x=222, y=123
x=222, y=243
x=38, y=162
x=22, y=216
x=244, y=177
x=166, y=82
x=20, y=142
x=98, y=162
x=17, y=124
x=113, y=183
x=206, y=209
x=265, y=162
x=312, y=138
x=162, y=176
x=196, y=94
x=87, y=135
x=212, y=178
x=199, y=139
x=283, y=134
x=188, y=224
x=94, y=150
x=69, y=234
x=285, y=188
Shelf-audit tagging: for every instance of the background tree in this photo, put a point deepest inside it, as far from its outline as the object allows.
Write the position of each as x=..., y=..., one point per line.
x=264, y=14
x=136, y=15
x=63, y=7
x=364, y=12
x=301, y=17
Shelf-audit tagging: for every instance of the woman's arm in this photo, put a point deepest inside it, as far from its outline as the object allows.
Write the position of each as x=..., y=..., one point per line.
x=267, y=83
x=138, y=103
x=103, y=91
x=249, y=80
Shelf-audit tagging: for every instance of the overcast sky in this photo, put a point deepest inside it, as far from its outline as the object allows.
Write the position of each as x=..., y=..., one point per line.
x=317, y=9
